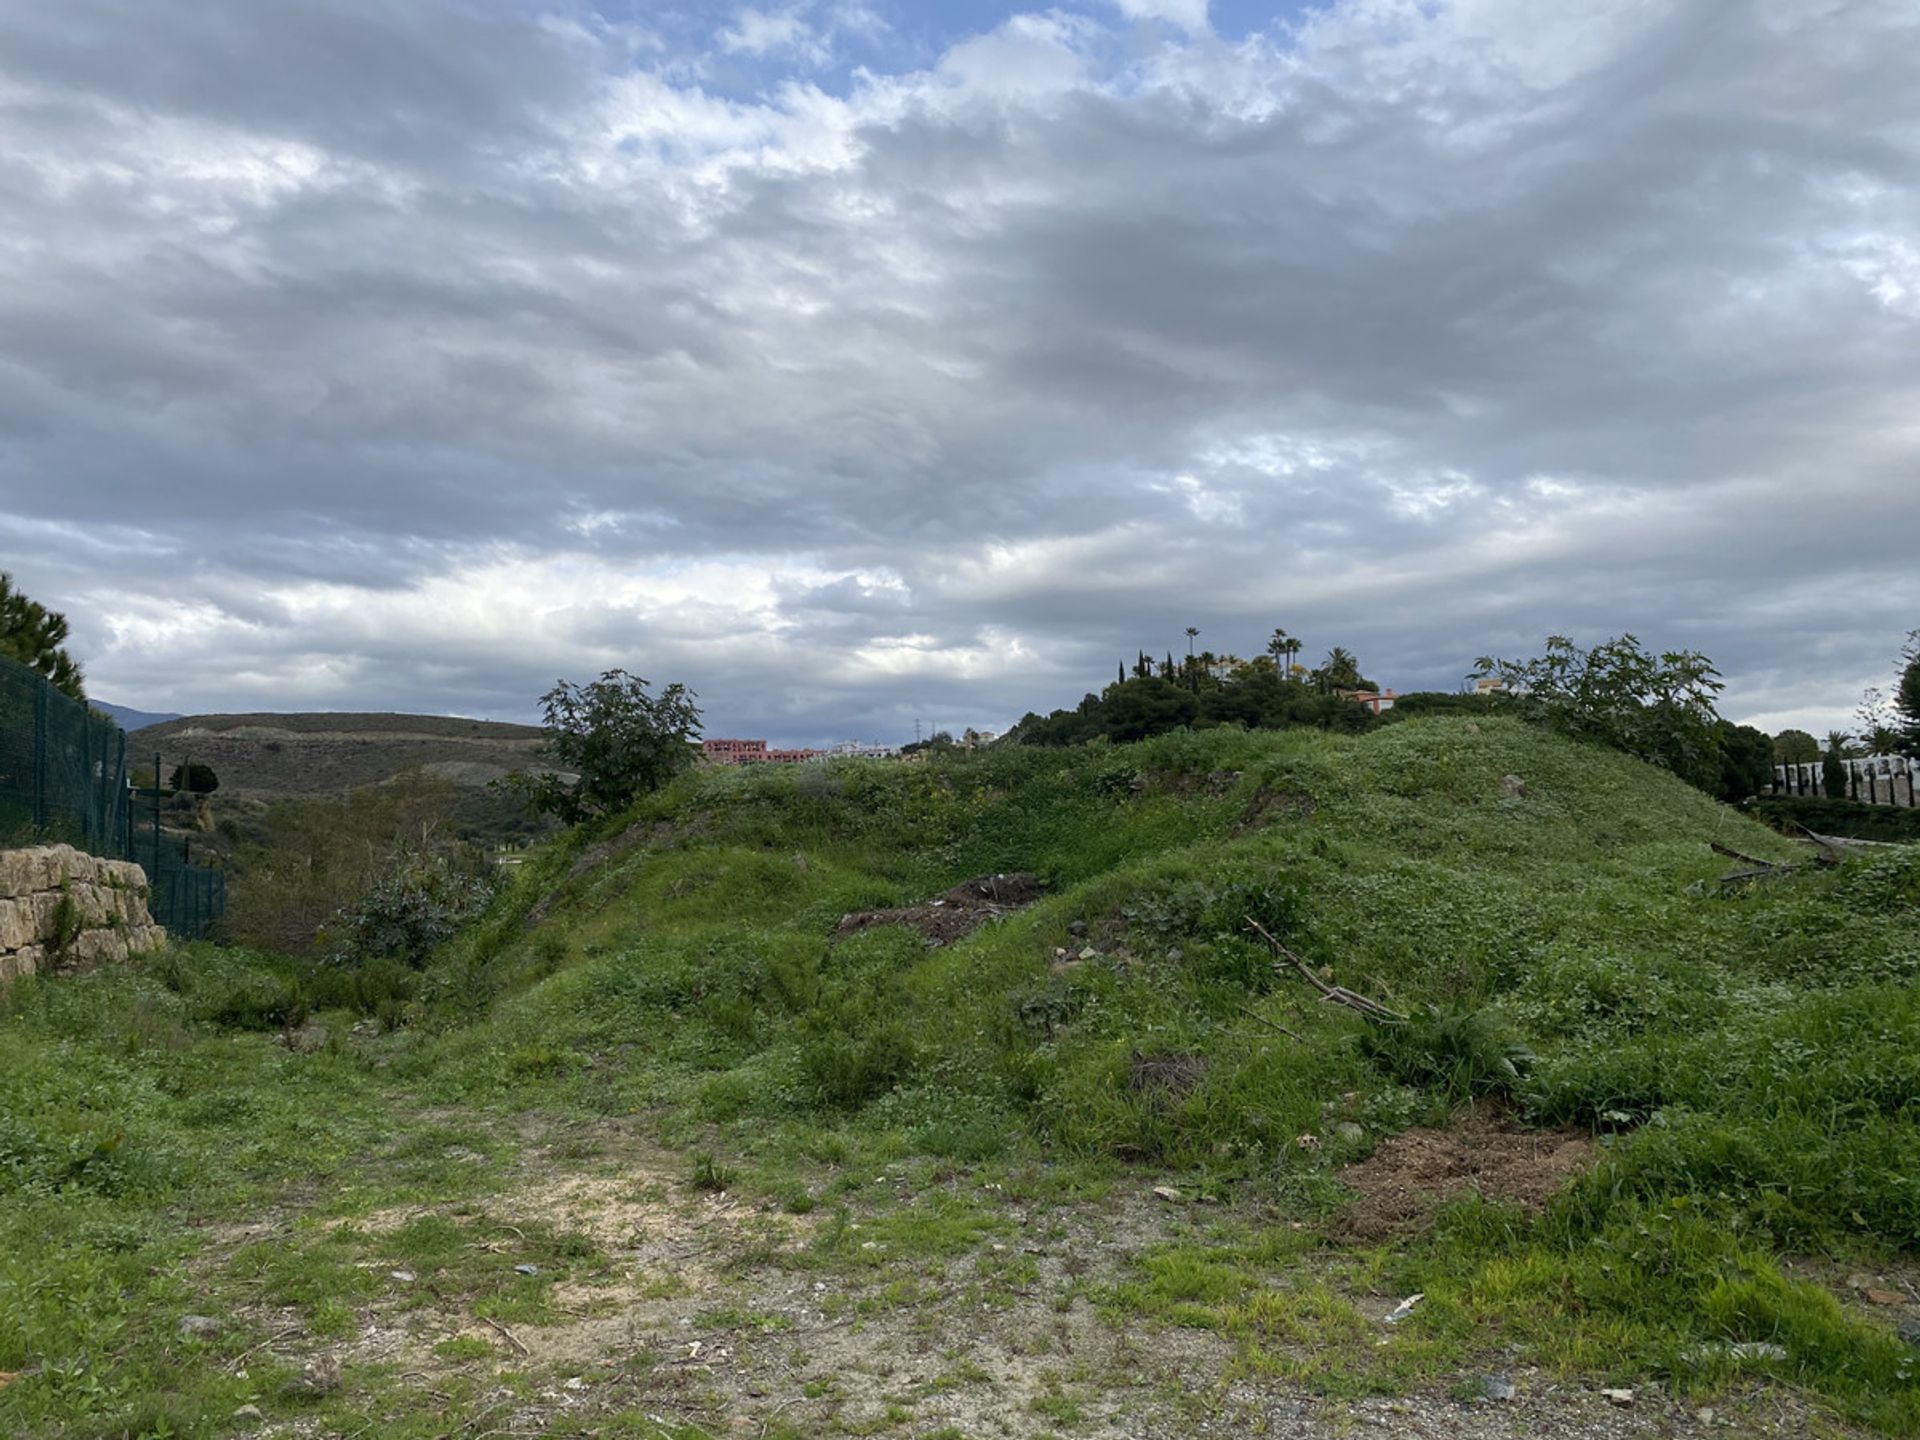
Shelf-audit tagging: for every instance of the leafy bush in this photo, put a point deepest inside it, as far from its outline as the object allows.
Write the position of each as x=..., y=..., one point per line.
x=1658, y=707
x=410, y=912
x=850, y=1069
x=194, y=778
x=1855, y=819
x=616, y=739
x=1459, y=1051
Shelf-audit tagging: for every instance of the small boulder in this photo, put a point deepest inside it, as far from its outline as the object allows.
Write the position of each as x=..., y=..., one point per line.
x=320, y=1376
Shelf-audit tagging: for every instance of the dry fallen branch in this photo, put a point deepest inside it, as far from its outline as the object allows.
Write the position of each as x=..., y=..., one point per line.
x=1332, y=994
x=512, y=1339
x=1259, y=1019
x=1756, y=869
x=1830, y=853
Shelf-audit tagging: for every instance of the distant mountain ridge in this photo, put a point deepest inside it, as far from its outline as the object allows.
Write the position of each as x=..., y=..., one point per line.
x=128, y=718
x=277, y=755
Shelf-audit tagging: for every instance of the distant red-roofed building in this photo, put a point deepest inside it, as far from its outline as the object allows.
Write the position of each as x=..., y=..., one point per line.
x=733, y=752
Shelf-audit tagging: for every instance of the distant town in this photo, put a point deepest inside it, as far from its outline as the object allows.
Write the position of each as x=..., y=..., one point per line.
x=759, y=752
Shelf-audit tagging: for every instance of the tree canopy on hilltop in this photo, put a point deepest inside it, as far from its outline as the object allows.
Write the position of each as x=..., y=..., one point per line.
x=35, y=636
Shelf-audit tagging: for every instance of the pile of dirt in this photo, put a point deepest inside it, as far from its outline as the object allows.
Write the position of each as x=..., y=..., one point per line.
x=1486, y=1151
x=958, y=913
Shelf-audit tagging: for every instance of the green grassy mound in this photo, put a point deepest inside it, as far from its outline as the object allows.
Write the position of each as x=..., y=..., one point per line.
x=1547, y=915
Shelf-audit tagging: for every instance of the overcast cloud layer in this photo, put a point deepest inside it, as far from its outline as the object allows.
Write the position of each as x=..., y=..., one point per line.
x=856, y=363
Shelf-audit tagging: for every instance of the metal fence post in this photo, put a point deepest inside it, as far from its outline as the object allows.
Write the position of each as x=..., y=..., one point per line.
x=40, y=760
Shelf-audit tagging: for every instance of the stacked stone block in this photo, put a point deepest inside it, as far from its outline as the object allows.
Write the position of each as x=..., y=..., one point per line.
x=62, y=909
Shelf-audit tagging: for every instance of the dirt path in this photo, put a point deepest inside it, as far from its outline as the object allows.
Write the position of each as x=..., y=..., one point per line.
x=922, y=1305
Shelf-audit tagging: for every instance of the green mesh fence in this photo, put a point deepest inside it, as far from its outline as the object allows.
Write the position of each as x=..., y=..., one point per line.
x=63, y=780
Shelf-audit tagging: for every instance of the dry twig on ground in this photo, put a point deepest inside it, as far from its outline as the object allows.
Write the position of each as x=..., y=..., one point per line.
x=1332, y=994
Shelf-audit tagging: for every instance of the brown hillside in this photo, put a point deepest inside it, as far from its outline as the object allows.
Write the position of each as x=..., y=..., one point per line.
x=268, y=756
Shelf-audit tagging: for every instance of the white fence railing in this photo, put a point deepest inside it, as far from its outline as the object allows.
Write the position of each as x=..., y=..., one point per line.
x=1876, y=780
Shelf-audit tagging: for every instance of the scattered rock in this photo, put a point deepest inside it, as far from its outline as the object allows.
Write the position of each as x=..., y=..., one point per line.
x=1176, y=954
x=1168, y=1194
x=1909, y=1331
x=320, y=1376
x=1406, y=1307
x=1089, y=953
x=1621, y=1398
x=405, y=1277
x=1307, y=1142
x=1885, y=1297
x=1495, y=1387
x=249, y=1412
x=526, y=1269
x=309, y=1039
x=1512, y=787
x=199, y=1327
x=1076, y=927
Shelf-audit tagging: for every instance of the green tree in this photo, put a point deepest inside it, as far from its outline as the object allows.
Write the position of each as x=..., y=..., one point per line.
x=1746, y=762
x=1833, y=767
x=1277, y=647
x=1906, y=700
x=614, y=742
x=1340, y=671
x=194, y=778
x=1657, y=707
x=35, y=636
x=1795, y=747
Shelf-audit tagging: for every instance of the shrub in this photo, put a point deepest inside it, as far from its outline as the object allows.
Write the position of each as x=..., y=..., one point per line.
x=1851, y=818
x=617, y=740
x=1463, y=1053
x=848, y=1070
x=1659, y=708
x=194, y=778
x=410, y=912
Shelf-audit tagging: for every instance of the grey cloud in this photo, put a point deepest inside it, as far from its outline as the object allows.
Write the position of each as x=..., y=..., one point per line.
x=473, y=326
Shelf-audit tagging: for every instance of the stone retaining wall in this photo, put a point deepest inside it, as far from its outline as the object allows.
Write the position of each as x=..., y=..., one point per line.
x=61, y=909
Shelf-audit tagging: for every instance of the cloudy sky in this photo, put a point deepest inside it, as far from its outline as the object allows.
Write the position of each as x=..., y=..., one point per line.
x=864, y=362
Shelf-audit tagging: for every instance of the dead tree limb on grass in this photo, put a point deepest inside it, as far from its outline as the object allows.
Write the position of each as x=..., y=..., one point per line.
x=1331, y=994
x=1259, y=1019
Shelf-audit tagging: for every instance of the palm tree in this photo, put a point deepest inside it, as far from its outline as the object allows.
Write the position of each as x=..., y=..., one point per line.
x=1340, y=670
x=1277, y=647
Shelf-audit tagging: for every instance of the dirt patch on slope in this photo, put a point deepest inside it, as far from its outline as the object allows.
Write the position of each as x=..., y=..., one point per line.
x=958, y=913
x=1486, y=1152
x=1270, y=806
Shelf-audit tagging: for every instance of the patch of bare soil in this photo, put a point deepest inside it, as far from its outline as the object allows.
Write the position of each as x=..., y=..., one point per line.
x=1211, y=784
x=956, y=914
x=710, y=1316
x=1271, y=806
x=1486, y=1151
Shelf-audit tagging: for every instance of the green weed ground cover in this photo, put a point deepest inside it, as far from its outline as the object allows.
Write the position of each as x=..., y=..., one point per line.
x=1548, y=915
